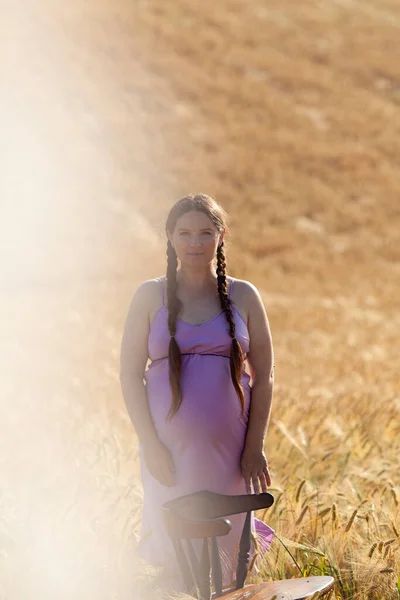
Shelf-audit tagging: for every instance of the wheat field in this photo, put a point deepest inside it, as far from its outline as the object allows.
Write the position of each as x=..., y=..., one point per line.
x=289, y=114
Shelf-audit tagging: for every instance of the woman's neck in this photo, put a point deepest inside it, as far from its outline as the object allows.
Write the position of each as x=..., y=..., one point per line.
x=196, y=280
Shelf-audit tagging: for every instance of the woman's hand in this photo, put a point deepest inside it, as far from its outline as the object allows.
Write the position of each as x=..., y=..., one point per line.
x=255, y=470
x=159, y=462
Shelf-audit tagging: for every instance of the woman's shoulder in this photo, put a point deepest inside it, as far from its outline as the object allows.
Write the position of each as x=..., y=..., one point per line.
x=238, y=295
x=246, y=297
x=243, y=292
x=150, y=290
x=149, y=285
x=244, y=289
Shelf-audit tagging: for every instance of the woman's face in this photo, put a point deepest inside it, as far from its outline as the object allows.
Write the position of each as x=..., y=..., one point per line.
x=195, y=239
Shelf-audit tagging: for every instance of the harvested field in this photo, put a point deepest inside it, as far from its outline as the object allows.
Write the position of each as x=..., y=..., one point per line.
x=289, y=114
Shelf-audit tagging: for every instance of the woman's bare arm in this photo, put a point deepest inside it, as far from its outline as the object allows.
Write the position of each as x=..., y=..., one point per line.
x=133, y=359
x=134, y=355
x=261, y=363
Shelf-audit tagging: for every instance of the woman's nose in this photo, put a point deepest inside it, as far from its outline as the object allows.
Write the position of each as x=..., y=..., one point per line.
x=195, y=241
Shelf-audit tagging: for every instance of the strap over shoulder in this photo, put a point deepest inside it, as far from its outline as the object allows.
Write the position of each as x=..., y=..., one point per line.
x=230, y=287
x=161, y=280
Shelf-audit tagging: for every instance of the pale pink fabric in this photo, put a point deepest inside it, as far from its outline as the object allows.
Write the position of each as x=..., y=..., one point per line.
x=206, y=436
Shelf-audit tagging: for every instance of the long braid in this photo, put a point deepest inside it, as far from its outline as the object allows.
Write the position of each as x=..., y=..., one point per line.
x=174, y=353
x=236, y=358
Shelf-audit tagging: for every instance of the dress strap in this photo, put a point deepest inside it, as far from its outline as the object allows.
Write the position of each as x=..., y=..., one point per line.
x=162, y=290
x=231, y=286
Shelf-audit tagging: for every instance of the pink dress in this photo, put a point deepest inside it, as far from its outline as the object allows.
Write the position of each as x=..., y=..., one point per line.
x=206, y=436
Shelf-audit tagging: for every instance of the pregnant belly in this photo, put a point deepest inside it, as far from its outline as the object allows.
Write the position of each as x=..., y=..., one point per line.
x=210, y=409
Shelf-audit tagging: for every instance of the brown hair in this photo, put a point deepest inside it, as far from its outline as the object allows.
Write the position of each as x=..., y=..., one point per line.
x=218, y=216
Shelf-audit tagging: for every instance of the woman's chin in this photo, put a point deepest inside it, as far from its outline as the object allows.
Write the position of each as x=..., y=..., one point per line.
x=196, y=260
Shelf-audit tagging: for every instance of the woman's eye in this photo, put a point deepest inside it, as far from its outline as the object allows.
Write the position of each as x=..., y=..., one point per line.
x=203, y=233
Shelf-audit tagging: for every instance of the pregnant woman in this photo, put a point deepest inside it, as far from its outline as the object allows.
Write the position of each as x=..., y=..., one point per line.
x=200, y=417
